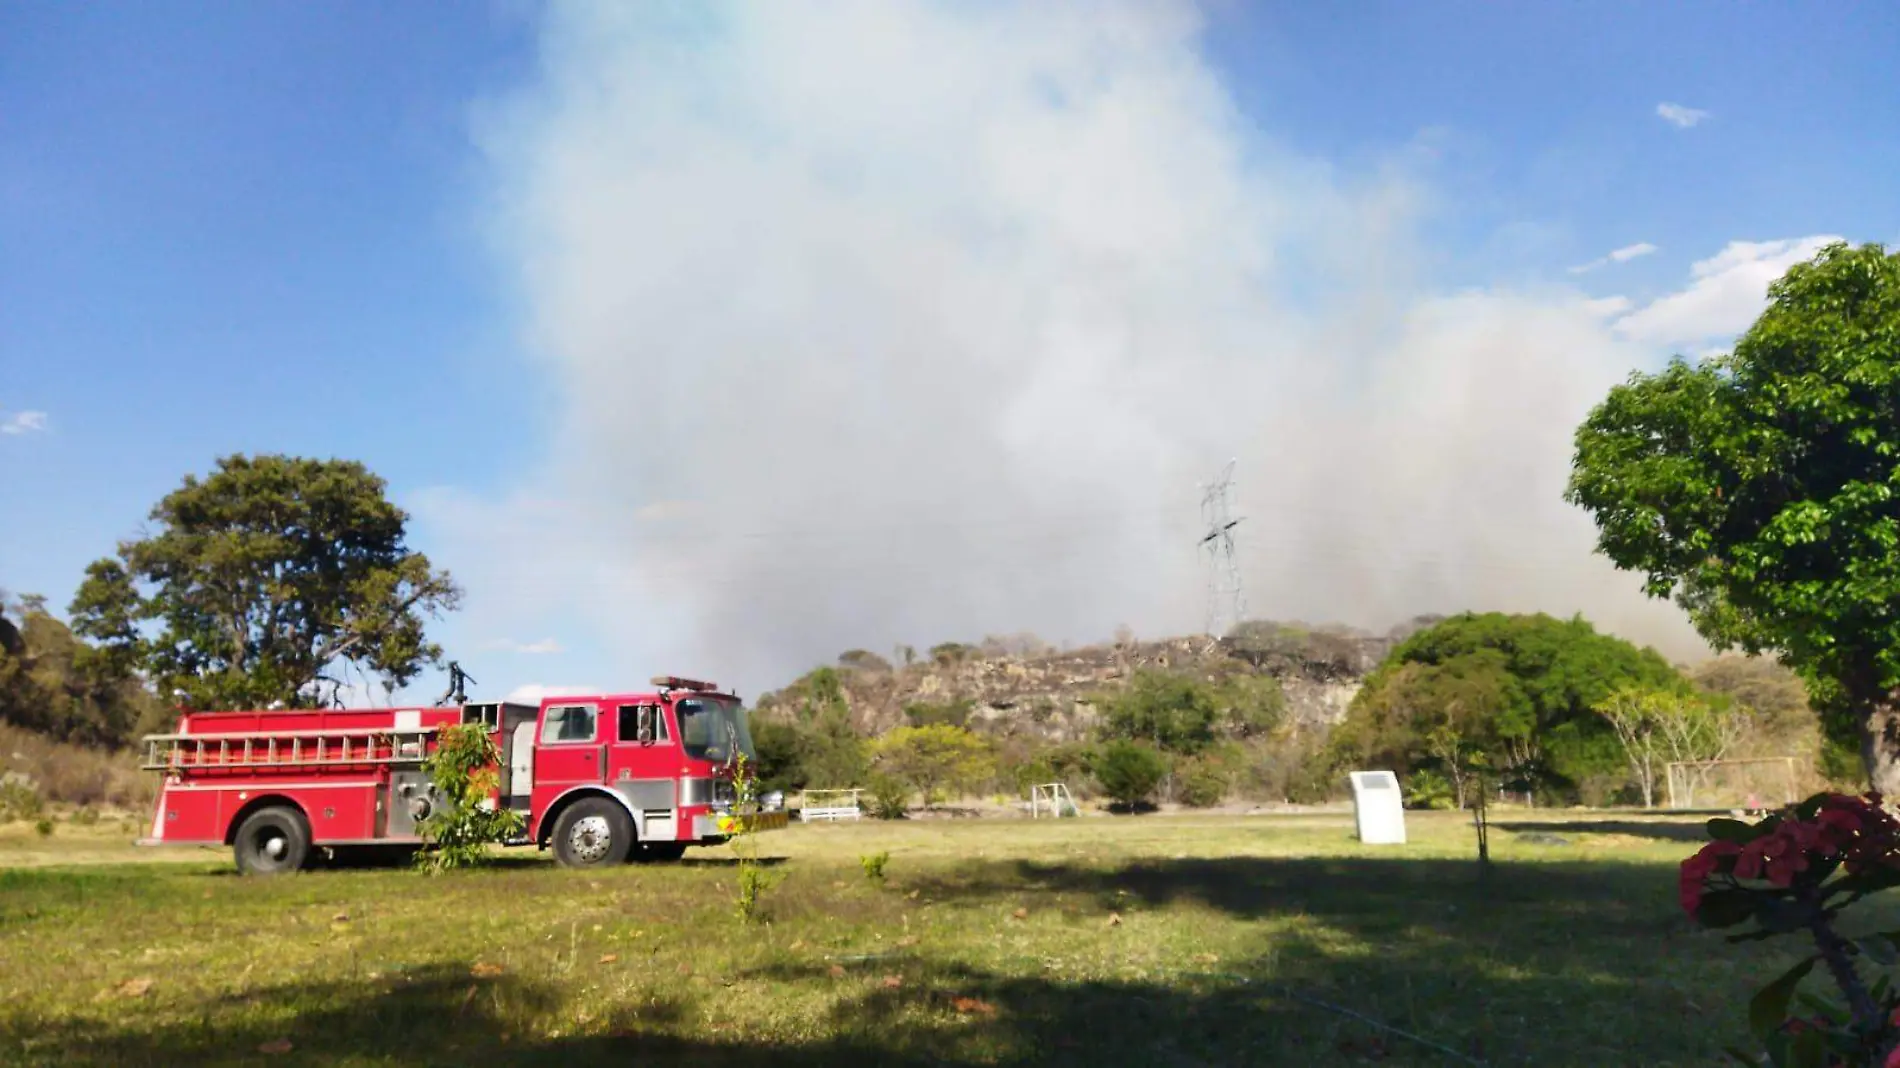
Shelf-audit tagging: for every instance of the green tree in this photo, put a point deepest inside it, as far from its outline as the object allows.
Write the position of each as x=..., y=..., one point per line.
x=1758, y=489
x=1522, y=689
x=933, y=757
x=261, y=578
x=1129, y=771
x=1171, y=711
x=830, y=753
x=54, y=683
x=779, y=766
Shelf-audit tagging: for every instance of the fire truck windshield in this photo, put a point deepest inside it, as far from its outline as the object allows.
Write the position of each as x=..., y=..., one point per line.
x=709, y=726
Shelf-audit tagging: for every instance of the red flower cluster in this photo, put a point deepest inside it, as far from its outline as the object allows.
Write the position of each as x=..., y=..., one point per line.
x=1855, y=829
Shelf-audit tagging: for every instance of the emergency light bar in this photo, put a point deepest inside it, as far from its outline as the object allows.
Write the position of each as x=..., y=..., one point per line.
x=674, y=682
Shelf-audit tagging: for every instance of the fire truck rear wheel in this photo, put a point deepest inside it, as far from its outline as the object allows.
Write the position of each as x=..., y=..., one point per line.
x=272, y=841
x=593, y=833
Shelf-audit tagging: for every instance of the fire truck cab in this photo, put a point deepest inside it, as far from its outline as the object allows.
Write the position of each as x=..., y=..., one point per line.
x=599, y=779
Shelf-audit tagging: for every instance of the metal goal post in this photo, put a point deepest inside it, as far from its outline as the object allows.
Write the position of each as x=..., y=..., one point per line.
x=1052, y=797
x=1752, y=783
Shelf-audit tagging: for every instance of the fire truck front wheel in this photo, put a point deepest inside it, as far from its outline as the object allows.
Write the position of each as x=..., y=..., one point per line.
x=272, y=841
x=593, y=833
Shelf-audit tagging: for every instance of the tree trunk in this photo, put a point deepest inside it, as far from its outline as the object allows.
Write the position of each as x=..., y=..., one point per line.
x=1880, y=745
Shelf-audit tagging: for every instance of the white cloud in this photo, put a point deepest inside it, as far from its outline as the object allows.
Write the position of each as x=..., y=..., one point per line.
x=535, y=648
x=1680, y=117
x=938, y=314
x=1726, y=292
x=22, y=423
x=1621, y=255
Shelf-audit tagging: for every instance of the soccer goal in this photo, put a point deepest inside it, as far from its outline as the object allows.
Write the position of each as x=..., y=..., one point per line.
x=1051, y=798
x=1750, y=785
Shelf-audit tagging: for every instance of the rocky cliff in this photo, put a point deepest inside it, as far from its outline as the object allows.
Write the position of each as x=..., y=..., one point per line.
x=1018, y=687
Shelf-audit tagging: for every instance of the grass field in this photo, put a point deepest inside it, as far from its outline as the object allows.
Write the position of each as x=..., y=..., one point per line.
x=1100, y=941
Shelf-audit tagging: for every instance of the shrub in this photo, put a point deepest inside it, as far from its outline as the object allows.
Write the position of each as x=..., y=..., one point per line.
x=463, y=768
x=86, y=817
x=890, y=796
x=952, y=713
x=742, y=833
x=874, y=865
x=44, y=827
x=863, y=660
x=1204, y=786
x=1129, y=771
x=19, y=797
x=1428, y=788
x=69, y=774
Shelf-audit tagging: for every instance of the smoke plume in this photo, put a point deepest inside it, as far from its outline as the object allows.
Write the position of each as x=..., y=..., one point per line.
x=884, y=321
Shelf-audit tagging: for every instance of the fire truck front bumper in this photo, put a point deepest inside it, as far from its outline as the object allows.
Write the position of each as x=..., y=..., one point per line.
x=718, y=826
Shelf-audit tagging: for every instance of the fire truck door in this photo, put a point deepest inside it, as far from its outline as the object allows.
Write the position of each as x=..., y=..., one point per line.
x=642, y=767
x=572, y=750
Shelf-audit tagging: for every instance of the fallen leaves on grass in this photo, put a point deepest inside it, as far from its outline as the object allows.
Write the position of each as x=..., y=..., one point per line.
x=134, y=988
x=1020, y=914
x=1207, y=958
x=837, y=971
x=1114, y=920
x=276, y=1045
x=974, y=1007
x=892, y=982
x=485, y=970
x=609, y=958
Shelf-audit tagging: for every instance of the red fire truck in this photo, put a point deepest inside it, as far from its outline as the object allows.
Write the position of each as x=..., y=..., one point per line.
x=599, y=779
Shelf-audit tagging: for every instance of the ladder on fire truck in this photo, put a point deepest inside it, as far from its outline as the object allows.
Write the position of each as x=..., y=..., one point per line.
x=286, y=749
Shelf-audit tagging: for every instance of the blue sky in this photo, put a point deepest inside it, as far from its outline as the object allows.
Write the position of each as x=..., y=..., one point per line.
x=274, y=227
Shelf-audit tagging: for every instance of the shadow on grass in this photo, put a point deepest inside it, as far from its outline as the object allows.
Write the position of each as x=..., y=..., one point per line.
x=900, y=1013
x=1551, y=964
x=1658, y=829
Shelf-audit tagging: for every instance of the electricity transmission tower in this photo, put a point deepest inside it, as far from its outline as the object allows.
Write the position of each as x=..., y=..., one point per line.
x=1225, y=604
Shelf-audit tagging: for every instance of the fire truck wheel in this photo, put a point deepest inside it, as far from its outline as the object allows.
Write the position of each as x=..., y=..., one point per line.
x=593, y=833
x=271, y=841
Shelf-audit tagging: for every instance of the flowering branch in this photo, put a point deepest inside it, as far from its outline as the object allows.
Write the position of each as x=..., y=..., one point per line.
x=1793, y=872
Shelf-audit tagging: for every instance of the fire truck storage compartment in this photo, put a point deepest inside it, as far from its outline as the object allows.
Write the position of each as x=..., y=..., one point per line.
x=514, y=728
x=412, y=799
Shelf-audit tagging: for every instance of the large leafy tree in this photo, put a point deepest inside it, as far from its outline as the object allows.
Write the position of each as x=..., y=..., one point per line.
x=1521, y=689
x=52, y=682
x=1759, y=488
x=262, y=580
x=934, y=757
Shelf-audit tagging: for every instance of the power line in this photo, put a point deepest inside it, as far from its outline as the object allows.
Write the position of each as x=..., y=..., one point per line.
x=1226, y=605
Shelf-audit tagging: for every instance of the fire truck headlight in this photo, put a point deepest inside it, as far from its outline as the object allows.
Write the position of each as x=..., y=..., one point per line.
x=419, y=808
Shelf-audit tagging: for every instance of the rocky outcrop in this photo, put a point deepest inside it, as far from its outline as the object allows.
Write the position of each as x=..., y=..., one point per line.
x=1024, y=690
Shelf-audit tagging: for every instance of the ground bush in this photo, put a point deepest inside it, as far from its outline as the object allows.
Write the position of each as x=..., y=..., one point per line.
x=890, y=796
x=19, y=798
x=1203, y=785
x=70, y=774
x=1129, y=771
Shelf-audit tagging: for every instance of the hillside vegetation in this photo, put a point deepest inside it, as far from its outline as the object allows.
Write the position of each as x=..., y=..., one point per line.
x=1279, y=712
